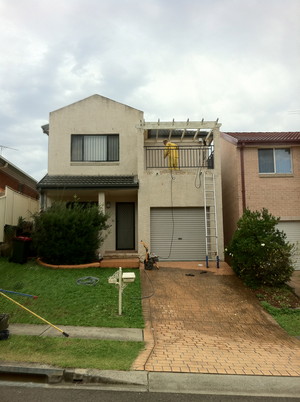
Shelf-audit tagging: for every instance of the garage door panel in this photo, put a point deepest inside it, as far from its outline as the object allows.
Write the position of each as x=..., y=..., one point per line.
x=178, y=233
x=292, y=230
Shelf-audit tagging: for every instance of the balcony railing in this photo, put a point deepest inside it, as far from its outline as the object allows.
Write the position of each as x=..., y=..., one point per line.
x=188, y=157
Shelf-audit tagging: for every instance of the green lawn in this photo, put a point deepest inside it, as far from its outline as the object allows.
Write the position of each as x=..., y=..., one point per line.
x=67, y=352
x=283, y=304
x=288, y=319
x=63, y=302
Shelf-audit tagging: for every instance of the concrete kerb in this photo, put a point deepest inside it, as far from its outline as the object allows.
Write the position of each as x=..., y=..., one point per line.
x=224, y=384
x=37, y=373
x=143, y=381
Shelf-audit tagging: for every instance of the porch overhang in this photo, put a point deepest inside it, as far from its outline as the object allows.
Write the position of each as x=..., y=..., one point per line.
x=88, y=182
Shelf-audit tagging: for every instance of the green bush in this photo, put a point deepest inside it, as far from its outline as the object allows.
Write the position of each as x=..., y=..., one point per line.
x=260, y=253
x=69, y=235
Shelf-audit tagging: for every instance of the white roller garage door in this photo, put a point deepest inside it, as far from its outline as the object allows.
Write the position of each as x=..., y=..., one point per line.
x=292, y=230
x=178, y=234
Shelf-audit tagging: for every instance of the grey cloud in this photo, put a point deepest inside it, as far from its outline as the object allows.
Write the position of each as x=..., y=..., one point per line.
x=234, y=60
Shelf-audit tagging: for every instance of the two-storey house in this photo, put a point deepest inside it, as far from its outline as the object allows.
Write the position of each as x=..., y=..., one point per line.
x=262, y=170
x=105, y=152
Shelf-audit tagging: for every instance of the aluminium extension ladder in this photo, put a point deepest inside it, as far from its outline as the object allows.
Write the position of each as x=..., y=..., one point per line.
x=210, y=213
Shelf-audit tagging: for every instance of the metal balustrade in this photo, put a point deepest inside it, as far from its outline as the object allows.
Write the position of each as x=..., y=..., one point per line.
x=188, y=157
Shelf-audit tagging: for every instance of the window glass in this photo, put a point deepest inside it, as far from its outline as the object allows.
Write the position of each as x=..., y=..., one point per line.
x=76, y=148
x=266, y=161
x=283, y=161
x=113, y=148
x=277, y=160
x=95, y=148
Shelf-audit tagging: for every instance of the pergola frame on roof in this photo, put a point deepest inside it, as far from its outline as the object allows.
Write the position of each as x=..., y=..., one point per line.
x=183, y=126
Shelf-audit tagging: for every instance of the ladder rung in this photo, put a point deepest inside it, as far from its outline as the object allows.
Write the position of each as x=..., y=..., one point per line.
x=211, y=240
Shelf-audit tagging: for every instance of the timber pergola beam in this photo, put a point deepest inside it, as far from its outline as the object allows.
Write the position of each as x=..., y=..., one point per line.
x=184, y=126
x=179, y=125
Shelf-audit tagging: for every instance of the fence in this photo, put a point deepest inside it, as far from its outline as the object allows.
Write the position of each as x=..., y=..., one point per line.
x=188, y=157
x=12, y=206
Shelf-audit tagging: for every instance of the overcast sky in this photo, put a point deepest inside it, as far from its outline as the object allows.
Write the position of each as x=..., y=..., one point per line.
x=236, y=60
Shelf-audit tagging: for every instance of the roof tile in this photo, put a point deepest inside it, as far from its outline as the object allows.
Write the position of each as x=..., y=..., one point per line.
x=88, y=182
x=265, y=137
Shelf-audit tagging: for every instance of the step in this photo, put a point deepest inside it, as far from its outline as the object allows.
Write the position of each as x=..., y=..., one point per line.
x=120, y=254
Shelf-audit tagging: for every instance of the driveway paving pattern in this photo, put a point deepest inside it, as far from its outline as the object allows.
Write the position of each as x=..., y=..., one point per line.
x=202, y=320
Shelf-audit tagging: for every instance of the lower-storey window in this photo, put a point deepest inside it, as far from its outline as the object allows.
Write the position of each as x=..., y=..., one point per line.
x=95, y=148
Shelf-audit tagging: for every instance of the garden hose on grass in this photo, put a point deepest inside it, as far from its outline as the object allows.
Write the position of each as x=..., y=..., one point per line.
x=31, y=312
x=87, y=280
x=18, y=293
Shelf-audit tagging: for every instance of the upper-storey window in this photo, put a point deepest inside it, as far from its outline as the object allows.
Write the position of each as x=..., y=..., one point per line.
x=274, y=160
x=95, y=148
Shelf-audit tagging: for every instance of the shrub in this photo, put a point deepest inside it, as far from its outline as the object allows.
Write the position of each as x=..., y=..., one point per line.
x=69, y=235
x=260, y=253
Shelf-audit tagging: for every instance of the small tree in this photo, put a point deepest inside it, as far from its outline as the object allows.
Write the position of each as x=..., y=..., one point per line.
x=259, y=251
x=69, y=235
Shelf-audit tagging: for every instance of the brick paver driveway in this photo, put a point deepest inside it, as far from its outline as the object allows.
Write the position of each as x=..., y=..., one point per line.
x=209, y=322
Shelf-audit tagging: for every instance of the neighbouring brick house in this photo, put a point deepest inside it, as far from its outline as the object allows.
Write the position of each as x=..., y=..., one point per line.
x=105, y=152
x=262, y=170
x=18, y=195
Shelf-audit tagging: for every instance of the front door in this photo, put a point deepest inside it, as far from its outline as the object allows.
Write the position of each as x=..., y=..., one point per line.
x=125, y=226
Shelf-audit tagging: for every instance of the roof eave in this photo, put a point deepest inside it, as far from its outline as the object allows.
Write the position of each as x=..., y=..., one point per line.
x=285, y=143
x=229, y=138
x=45, y=129
x=86, y=187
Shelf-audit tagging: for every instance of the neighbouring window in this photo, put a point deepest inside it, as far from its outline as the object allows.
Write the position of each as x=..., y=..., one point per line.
x=95, y=148
x=274, y=160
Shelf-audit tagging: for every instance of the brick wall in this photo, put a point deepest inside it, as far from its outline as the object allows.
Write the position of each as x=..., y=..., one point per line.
x=231, y=188
x=280, y=194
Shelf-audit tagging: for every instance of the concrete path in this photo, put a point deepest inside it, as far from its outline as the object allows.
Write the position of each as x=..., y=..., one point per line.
x=116, y=334
x=206, y=321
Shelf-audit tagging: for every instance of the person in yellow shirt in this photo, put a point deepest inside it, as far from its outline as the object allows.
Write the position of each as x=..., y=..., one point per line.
x=171, y=150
